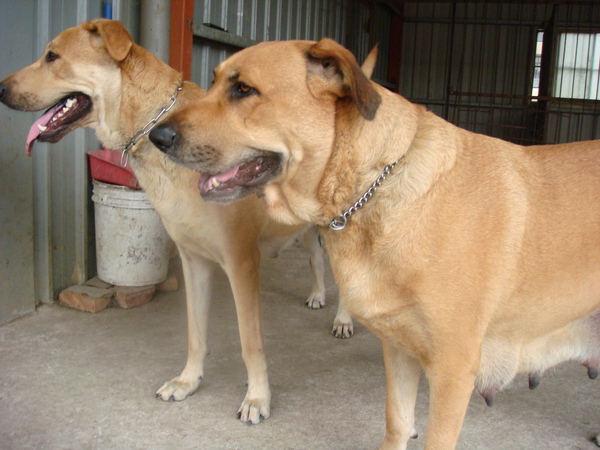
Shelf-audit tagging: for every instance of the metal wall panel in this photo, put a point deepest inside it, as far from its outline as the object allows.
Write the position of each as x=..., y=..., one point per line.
x=253, y=21
x=380, y=23
x=473, y=63
x=16, y=200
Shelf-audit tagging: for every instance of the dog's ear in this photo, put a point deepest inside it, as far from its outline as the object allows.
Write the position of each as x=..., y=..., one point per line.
x=368, y=65
x=333, y=70
x=117, y=39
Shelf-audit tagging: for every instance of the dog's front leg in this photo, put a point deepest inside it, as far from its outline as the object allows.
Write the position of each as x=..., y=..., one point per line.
x=243, y=273
x=451, y=381
x=197, y=273
x=402, y=373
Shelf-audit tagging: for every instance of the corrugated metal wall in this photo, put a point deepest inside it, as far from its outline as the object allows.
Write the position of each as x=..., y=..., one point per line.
x=16, y=180
x=223, y=27
x=473, y=63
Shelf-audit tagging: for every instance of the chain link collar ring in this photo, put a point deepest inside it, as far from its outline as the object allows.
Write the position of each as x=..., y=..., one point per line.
x=148, y=127
x=339, y=223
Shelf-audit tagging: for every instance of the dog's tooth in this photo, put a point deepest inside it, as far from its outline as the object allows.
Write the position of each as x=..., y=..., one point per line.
x=215, y=183
x=70, y=102
x=42, y=128
x=60, y=114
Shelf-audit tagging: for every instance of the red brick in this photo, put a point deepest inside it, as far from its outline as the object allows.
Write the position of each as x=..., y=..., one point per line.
x=128, y=297
x=86, y=298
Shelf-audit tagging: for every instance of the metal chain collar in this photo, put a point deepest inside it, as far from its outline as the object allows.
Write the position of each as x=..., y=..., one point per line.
x=339, y=223
x=148, y=127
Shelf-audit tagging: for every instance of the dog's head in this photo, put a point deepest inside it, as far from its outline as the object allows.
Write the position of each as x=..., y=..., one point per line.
x=67, y=80
x=268, y=123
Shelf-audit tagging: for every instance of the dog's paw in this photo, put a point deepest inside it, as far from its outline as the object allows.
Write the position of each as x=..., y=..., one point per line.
x=177, y=389
x=315, y=301
x=343, y=327
x=342, y=330
x=253, y=412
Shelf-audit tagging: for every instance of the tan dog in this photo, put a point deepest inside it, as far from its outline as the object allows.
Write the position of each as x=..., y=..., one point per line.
x=474, y=259
x=99, y=78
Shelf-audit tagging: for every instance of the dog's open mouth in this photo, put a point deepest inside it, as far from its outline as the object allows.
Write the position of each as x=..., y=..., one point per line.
x=59, y=120
x=241, y=180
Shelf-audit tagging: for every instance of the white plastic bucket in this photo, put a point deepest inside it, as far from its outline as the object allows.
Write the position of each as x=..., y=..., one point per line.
x=132, y=245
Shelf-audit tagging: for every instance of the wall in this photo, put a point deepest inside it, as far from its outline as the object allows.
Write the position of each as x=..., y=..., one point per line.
x=473, y=64
x=223, y=27
x=16, y=181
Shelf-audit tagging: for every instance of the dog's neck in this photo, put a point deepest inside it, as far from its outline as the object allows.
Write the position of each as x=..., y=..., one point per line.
x=339, y=222
x=149, y=126
x=360, y=153
x=363, y=149
x=139, y=98
x=135, y=104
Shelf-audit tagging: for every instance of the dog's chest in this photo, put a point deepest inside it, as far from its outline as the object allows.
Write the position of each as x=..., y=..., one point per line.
x=378, y=295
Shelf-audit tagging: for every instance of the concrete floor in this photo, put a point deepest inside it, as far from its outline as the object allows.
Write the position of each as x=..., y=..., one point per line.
x=74, y=380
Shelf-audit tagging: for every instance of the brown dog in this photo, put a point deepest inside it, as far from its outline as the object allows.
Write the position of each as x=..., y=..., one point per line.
x=471, y=258
x=97, y=77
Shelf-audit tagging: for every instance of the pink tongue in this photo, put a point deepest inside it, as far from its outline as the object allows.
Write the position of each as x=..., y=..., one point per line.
x=205, y=183
x=222, y=177
x=34, y=131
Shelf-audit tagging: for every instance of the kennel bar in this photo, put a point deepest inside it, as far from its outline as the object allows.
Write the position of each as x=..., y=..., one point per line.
x=209, y=32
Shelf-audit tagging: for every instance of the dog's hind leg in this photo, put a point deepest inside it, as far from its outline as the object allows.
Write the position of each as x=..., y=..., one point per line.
x=310, y=238
x=402, y=373
x=243, y=273
x=197, y=273
x=342, y=324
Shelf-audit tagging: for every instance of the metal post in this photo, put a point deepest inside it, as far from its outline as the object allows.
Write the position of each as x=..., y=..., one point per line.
x=155, y=27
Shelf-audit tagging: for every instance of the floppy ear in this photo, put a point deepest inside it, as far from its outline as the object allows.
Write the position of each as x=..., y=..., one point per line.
x=332, y=69
x=117, y=39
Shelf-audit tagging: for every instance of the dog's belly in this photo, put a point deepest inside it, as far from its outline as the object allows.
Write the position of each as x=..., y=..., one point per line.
x=520, y=340
x=503, y=358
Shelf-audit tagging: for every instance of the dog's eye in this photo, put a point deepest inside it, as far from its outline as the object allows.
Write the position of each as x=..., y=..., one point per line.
x=243, y=90
x=51, y=56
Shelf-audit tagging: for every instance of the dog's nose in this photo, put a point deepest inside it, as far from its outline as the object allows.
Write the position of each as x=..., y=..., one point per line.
x=163, y=136
x=3, y=90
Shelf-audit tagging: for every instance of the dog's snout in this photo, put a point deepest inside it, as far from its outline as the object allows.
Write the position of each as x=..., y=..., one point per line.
x=163, y=136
